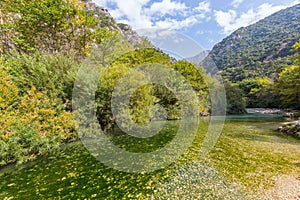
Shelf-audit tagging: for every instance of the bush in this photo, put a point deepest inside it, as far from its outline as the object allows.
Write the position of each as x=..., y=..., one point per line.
x=31, y=124
x=52, y=73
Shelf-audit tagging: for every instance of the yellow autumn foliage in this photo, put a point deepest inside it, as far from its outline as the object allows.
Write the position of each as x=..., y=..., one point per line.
x=8, y=90
x=33, y=111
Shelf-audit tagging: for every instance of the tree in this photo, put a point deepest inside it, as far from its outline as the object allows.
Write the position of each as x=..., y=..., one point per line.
x=296, y=47
x=31, y=123
x=49, y=26
x=288, y=83
x=288, y=86
x=259, y=92
x=235, y=101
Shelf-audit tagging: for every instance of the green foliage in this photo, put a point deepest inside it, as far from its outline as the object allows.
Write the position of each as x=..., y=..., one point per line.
x=288, y=86
x=40, y=24
x=297, y=45
x=260, y=93
x=52, y=73
x=143, y=100
x=25, y=145
x=297, y=56
x=235, y=101
x=196, y=77
x=281, y=91
x=193, y=74
x=43, y=43
x=9, y=91
x=143, y=56
x=140, y=101
x=49, y=26
x=31, y=124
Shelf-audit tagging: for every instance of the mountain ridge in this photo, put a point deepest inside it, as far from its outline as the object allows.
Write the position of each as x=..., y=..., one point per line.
x=258, y=49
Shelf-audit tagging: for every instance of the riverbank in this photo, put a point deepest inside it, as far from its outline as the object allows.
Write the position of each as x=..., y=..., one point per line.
x=293, y=114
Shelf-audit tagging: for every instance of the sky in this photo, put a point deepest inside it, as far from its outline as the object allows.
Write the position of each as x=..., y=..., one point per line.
x=206, y=22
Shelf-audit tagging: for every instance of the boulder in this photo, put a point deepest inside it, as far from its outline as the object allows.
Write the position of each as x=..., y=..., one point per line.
x=290, y=128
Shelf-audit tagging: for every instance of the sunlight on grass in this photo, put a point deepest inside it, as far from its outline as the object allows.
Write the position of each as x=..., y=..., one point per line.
x=248, y=155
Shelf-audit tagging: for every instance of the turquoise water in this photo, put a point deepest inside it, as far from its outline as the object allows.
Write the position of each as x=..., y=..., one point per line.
x=73, y=173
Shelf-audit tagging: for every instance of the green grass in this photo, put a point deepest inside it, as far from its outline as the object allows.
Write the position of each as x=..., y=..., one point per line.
x=252, y=153
x=243, y=162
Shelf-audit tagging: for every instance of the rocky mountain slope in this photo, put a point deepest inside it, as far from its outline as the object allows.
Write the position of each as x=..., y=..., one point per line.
x=198, y=58
x=259, y=49
x=107, y=21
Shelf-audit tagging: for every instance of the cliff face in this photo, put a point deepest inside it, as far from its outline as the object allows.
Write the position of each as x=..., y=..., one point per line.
x=107, y=21
x=92, y=6
x=102, y=14
x=129, y=34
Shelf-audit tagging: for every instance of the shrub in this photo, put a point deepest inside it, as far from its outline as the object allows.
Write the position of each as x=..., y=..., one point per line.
x=30, y=125
x=52, y=73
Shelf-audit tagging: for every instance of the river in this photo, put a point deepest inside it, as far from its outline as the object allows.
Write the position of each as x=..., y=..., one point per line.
x=242, y=165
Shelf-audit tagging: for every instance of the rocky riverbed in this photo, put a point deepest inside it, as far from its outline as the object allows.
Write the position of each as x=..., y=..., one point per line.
x=291, y=128
x=265, y=111
x=275, y=111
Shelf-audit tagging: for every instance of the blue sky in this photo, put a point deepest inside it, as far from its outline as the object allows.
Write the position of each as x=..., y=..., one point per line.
x=207, y=22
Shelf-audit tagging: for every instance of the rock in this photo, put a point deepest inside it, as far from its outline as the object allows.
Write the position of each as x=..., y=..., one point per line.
x=290, y=128
x=129, y=34
x=269, y=111
x=205, y=114
x=107, y=21
x=288, y=124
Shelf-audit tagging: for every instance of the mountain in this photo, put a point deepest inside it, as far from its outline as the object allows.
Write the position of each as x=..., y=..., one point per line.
x=101, y=13
x=198, y=58
x=259, y=49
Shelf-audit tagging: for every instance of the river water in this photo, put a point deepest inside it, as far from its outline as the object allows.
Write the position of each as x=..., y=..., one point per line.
x=249, y=152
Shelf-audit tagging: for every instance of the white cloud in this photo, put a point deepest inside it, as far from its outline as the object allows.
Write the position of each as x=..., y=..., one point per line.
x=135, y=16
x=236, y=3
x=202, y=32
x=166, y=7
x=166, y=14
x=174, y=24
x=231, y=21
x=296, y=2
x=130, y=11
x=116, y=13
x=203, y=7
x=227, y=20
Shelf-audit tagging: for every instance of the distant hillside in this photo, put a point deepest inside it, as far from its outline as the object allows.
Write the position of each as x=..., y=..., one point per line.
x=198, y=58
x=259, y=49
